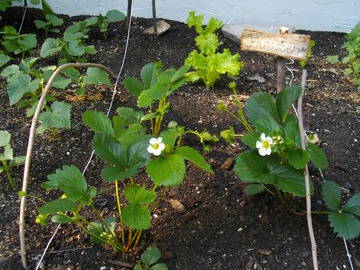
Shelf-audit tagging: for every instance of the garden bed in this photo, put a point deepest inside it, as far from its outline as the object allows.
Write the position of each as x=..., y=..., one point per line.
x=222, y=228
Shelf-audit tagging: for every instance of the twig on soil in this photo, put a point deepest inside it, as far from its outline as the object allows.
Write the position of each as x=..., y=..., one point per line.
x=30, y=147
x=306, y=174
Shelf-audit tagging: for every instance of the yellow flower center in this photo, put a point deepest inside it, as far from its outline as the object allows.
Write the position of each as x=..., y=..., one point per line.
x=266, y=144
x=155, y=146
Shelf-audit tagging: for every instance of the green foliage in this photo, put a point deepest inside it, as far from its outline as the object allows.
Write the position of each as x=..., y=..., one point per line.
x=7, y=159
x=51, y=22
x=209, y=64
x=16, y=43
x=102, y=22
x=352, y=59
x=282, y=167
x=58, y=116
x=149, y=260
x=303, y=63
x=343, y=219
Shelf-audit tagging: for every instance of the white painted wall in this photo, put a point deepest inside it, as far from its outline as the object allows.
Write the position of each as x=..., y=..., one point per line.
x=322, y=15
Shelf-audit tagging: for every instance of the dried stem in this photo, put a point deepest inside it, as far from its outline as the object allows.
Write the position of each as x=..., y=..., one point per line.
x=30, y=147
x=306, y=174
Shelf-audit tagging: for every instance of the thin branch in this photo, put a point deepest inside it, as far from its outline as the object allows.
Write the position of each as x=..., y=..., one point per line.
x=154, y=18
x=129, y=12
x=306, y=174
x=23, y=251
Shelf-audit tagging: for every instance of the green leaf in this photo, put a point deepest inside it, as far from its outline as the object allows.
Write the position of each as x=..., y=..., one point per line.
x=4, y=59
x=151, y=255
x=96, y=76
x=228, y=135
x=71, y=182
x=111, y=174
x=110, y=151
x=159, y=266
x=250, y=139
x=331, y=193
x=98, y=122
x=136, y=216
x=19, y=85
x=58, y=116
x=253, y=168
x=195, y=21
x=345, y=225
x=75, y=48
x=41, y=24
x=156, y=92
x=194, y=157
x=17, y=161
x=353, y=205
x=61, y=82
x=8, y=153
x=90, y=49
x=35, y=2
x=50, y=47
x=129, y=114
x=61, y=219
x=28, y=42
x=167, y=170
x=115, y=15
x=285, y=99
x=148, y=75
x=54, y=20
x=97, y=228
x=207, y=43
x=4, y=137
x=261, y=106
x=133, y=86
x=72, y=73
x=267, y=126
x=291, y=131
x=317, y=156
x=332, y=59
x=60, y=205
x=254, y=189
x=139, y=194
x=10, y=70
x=298, y=158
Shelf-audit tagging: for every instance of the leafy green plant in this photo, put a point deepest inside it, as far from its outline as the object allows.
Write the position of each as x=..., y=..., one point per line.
x=126, y=145
x=51, y=22
x=111, y=16
x=71, y=47
x=16, y=43
x=209, y=64
x=7, y=158
x=149, y=260
x=352, y=59
x=276, y=158
x=6, y=4
x=344, y=219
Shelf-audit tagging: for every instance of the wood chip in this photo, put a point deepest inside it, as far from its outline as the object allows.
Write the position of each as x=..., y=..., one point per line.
x=178, y=206
x=264, y=252
x=227, y=163
x=162, y=27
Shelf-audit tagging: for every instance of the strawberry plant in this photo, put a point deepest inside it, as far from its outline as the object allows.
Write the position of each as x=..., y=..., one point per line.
x=7, y=158
x=208, y=63
x=111, y=16
x=149, y=260
x=343, y=219
x=16, y=43
x=51, y=22
x=276, y=159
x=126, y=144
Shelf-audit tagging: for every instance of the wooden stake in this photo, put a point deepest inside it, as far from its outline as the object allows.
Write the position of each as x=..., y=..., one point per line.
x=154, y=17
x=129, y=11
x=280, y=73
x=23, y=250
x=306, y=174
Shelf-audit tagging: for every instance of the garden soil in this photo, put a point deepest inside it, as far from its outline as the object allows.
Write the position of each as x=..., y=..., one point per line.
x=221, y=228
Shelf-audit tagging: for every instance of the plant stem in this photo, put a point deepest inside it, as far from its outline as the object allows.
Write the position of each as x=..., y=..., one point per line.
x=137, y=239
x=119, y=210
x=306, y=174
x=129, y=240
x=8, y=174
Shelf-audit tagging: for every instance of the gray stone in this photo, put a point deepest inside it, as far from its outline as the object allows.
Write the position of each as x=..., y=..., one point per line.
x=233, y=31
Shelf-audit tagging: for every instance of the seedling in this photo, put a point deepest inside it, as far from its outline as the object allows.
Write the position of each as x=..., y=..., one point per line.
x=51, y=21
x=149, y=260
x=8, y=161
x=111, y=16
x=16, y=43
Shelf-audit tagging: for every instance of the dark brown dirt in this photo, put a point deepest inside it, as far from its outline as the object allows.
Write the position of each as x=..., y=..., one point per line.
x=221, y=228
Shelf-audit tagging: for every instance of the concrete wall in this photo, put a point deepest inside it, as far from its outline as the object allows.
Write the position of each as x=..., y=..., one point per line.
x=321, y=15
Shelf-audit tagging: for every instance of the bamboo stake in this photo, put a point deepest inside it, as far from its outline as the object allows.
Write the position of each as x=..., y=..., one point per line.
x=129, y=12
x=306, y=174
x=154, y=18
x=23, y=251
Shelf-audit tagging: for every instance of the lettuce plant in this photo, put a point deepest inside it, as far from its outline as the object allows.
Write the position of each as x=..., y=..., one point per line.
x=208, y=63
x=127, y=146
x=343, y=219
x=276, y=159
x=7, y=158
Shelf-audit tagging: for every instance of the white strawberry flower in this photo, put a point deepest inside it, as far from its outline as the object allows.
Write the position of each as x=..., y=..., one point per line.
x=264, y=145
x=156, y=146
